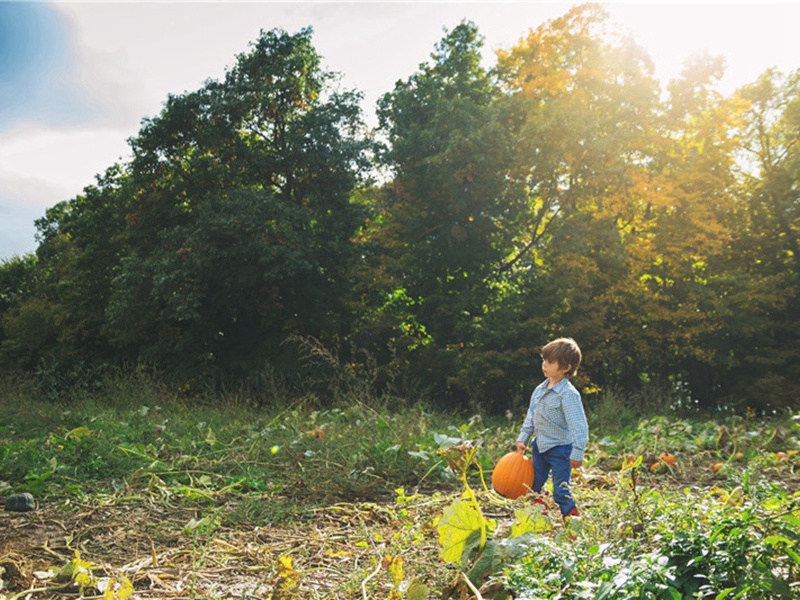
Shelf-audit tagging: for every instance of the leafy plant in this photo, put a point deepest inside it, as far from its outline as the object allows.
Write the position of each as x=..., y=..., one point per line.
x=466, y=535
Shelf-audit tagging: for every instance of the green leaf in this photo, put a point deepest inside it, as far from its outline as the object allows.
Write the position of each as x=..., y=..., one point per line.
x=773, y=504
x=529, y=520
x=459, y=525
x=417, y=591
x=792, y=520
x=78, y=434
x=445, y=441
x=774, y=540
x=498, y=554
x=793, y=555
x=674, y=594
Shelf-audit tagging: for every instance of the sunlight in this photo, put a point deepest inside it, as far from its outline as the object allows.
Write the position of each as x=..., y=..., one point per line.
x=745, y=37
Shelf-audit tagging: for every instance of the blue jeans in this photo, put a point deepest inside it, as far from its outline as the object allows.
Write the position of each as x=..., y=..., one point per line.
x=556, y=459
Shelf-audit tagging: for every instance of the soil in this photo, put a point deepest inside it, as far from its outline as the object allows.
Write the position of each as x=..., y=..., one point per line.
x=169, y=551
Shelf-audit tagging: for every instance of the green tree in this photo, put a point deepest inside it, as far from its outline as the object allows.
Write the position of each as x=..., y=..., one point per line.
x=241, y=221
x=441, y=232
x=60, y=317
x=17, y=282
x=763, y=344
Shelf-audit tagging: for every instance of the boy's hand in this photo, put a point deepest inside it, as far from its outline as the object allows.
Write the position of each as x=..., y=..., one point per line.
x=575, y=464
x=521, y=447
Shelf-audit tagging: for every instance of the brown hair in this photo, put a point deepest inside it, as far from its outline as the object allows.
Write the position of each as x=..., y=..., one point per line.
x=565, y=352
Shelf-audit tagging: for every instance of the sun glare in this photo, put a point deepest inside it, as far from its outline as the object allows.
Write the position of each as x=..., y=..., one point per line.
x=746, y=37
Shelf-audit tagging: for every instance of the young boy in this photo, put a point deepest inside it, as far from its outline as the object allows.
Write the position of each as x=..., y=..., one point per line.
x=556, y=419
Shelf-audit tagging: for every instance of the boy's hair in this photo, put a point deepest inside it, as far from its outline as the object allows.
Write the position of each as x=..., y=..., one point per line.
x=564, y=351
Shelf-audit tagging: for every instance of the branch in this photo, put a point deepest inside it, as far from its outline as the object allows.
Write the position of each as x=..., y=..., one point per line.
x=471, y=586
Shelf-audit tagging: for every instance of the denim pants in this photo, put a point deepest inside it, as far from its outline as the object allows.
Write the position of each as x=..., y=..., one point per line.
x=556, y=459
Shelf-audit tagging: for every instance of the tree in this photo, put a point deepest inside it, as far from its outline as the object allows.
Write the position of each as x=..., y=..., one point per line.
x=60, y=316
x=241, y=219
x=17, y=282
x=581, y=102
x=764, y=338
x=440, y=230
x=229, y=230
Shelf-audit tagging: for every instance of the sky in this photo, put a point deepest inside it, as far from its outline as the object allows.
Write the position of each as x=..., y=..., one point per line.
x=77, y=78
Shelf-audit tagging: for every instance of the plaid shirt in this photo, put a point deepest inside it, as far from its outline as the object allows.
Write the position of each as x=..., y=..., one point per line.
x=556, y=417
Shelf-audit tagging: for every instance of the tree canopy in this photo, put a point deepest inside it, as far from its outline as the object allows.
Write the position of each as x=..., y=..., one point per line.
x=559, y=191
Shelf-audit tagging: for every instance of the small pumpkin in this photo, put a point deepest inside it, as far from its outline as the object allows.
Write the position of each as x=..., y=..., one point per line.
x=20, y=502
x=513, y=475
x=668, y=458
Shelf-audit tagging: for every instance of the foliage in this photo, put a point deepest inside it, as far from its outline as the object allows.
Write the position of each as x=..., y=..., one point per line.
x=721, y=545
x=228, y=230
x=558, y=190
x=253, y=468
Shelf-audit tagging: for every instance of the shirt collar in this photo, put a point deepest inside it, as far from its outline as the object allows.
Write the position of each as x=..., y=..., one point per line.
x=559, y=387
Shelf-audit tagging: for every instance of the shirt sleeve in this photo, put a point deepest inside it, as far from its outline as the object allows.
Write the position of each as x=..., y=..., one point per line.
x=576, y=422
x=526, y=432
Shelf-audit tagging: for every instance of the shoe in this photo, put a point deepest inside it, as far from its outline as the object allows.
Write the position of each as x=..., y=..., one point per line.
x=542, y=503
x=571, y=527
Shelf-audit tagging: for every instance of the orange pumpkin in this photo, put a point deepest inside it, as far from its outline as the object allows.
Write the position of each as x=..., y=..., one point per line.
x=668, y=458
x=513, y=475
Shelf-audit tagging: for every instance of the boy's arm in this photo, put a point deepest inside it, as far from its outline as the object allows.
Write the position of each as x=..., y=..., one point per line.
x=526, y=432
x=576, y=422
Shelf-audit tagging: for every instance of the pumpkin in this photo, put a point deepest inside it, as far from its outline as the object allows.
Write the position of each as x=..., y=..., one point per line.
x=668, y=458
x=513, y=475
x=20, y=502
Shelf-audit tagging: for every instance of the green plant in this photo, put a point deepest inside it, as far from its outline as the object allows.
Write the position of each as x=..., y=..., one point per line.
x=466, y=535
x=714, y=545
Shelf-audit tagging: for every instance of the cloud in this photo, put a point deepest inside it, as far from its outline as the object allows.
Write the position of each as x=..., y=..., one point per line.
x=37, y=68
x=40, y=167
x=76, y=78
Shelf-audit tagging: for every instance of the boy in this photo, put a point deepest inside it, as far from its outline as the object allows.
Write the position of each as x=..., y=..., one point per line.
x=556, y=418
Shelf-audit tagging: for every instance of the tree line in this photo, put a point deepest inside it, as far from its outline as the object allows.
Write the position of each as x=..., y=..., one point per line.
x=259, y=227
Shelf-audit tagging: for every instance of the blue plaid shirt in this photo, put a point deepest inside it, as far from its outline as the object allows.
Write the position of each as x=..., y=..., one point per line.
x=556, y=417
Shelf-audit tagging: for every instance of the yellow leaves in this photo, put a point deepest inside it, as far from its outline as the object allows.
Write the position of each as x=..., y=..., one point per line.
x=78, y=434
x=118, y=590
x=529, y=520
x=286, y=580
x=77, y=570
x=459, y=530
x=395, y=568
x=81, y=573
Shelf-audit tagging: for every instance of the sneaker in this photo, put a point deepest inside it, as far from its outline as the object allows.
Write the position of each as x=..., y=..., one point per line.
x=572, y=528
x=542, y=503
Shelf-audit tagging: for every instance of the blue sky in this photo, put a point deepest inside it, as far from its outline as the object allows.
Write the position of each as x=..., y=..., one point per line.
x=76, y=78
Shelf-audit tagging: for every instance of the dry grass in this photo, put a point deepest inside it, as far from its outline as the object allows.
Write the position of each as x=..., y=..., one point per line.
x=169, y=551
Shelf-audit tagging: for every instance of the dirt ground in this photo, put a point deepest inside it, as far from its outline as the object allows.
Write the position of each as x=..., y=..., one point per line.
x=169, y=551
x=166, y=547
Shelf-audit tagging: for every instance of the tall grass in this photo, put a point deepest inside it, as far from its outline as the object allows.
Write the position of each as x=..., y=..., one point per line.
x=132, y=432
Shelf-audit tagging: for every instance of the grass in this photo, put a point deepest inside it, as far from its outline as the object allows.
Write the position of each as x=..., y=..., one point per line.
x=342, y=501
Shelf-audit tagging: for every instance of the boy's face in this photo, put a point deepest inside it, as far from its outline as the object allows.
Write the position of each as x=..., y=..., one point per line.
x=553, y=370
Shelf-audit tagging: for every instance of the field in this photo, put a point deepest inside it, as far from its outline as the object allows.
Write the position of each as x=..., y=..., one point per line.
x=143, y=494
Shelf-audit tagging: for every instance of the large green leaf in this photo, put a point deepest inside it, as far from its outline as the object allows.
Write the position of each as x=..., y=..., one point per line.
x=459, y=530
